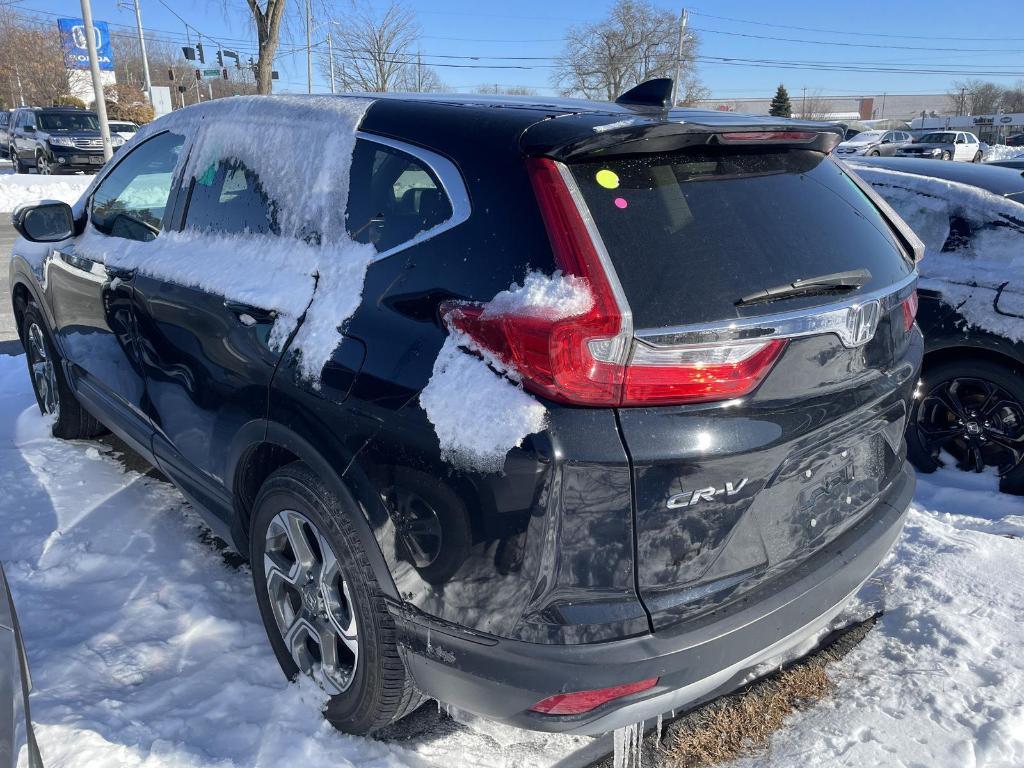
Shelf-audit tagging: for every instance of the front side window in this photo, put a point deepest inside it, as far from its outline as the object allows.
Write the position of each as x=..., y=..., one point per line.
x=228, y=197
x=392, y=197
x=131, y=201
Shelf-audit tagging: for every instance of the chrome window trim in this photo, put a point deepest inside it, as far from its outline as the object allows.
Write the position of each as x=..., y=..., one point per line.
x=452, y=184
x=841, y=318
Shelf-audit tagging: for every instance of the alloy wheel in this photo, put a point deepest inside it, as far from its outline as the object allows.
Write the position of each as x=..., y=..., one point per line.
x=978, y=422
x=44, y=373
x=418, y=526
x=43, y=166
x=311, y=601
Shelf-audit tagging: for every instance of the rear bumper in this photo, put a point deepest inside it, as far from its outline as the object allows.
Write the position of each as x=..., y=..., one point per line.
x=501, y=679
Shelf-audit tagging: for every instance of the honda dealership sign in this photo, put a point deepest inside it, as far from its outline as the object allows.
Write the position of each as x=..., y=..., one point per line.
x=76, y=51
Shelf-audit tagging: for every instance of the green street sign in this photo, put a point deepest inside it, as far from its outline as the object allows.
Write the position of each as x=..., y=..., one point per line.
x=211, y=73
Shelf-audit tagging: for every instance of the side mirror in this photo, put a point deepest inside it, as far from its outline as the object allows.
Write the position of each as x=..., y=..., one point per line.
x=30, y=129
x=46, y=222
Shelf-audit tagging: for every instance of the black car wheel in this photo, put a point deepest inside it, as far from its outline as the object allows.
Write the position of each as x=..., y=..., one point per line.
x=321, y=604
x=432, y=527
x=53, y=395
x=874, y=153
x=977, y=158
x=43, y=166
x=947, y=155
x=19, y=167
x=974, y=411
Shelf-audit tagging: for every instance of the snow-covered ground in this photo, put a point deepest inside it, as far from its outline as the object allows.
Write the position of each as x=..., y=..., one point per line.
x=18, y=188
x=1001, y=152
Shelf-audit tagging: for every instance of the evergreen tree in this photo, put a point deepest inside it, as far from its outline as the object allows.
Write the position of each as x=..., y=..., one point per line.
x=780, y=103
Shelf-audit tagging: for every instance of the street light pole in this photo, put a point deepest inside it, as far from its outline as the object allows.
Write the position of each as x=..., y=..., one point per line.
x=142, y=46
x=679, y=57
x=330, y=55
x=309, y=46
x=97, y=82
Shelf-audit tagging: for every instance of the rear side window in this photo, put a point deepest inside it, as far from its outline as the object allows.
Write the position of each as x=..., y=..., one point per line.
x=392, y=197
x=689, y=233
x=131, y=200
x=228, y=197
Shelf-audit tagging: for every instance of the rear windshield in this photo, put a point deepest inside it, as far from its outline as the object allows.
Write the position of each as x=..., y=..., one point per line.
x=689, y=233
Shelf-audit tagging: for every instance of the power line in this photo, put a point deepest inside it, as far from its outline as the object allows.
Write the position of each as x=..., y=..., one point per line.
x=886, y=46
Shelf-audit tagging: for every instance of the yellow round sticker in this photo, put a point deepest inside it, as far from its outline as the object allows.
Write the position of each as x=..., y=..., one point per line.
x=608, y=179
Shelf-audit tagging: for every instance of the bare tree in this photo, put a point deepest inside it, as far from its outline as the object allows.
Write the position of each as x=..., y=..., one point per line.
x=268, y=31
x=40, y=78
x=975, y=97
x=1013, y=98
x=814, y=106
x=637, y=41
x=376, y=50
x=506, y=90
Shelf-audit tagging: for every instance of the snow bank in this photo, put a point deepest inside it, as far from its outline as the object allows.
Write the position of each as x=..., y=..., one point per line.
x=302, y=158
x=939, y=680
x=479, y=410
x=1001, y=152
x=146, y=648
x=16, y=189
x=967, y=276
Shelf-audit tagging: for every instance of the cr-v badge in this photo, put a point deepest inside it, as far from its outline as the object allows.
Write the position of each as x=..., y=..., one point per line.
x=689, y=498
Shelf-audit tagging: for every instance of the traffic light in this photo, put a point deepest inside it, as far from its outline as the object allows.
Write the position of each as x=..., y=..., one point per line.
x=224, y=74
x=199, y=52
x=170, y=74
x=220, y=58
x=199, y=74
x=189, y=52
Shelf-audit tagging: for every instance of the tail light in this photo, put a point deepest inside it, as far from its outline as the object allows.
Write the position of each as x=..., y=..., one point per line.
x=584, y=701
x=590, y=359
x=909, y=311
x=765, y=137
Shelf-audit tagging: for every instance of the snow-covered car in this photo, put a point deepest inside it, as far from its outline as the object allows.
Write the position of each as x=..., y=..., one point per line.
x=971, y=218
x=944, y=145
x=564, y=422
x=123, y=129
x=873, y=144
x=17, y=740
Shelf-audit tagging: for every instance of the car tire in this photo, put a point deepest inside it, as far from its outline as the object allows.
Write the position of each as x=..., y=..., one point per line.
x=874, y=153
x=19, y=167
x=43, y=166
x=946, y=155
x=53, y=394
x=921, y=450
x=335, y=594
x=977, y=158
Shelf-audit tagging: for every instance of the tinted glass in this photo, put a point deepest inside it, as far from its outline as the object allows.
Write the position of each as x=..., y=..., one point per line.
x=689, y=233
x=938, y=138
x=392, y=197
x=68, y=121
x=131, y=201
x=228, y=197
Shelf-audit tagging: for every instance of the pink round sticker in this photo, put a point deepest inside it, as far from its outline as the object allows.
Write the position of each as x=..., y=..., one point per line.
x=620, y=202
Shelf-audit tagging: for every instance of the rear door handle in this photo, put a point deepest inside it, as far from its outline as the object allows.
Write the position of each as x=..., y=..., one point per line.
x=258, y=314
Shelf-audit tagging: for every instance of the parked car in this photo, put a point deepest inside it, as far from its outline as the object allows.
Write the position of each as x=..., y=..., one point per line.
x=57, y=140
x=1017, y=140
x=482, y=433
x=944, y=145
x=17, y=740
x=5, y=133
x=1013, y=162
x=123, y=129
x=971, y=409
x=874, y=143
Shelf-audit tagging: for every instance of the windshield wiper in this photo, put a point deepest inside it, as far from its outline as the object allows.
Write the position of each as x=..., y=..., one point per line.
x=839, y=282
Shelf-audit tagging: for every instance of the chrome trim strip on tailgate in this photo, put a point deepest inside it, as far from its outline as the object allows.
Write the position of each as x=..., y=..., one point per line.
x=853, y=320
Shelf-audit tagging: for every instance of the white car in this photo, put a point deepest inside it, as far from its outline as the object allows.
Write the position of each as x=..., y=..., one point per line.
x=945, y=145
x=123, y=128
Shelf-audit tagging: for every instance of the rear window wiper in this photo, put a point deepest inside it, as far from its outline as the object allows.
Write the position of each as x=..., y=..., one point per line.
x=838, y=282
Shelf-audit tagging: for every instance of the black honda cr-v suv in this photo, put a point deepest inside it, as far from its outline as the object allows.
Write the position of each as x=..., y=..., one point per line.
x=564, y=413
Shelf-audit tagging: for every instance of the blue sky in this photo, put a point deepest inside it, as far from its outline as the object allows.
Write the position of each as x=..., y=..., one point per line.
x=912, y=34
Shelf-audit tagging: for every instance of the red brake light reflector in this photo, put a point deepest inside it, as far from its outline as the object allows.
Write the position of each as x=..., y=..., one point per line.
x=584, y=701
x=909, y=311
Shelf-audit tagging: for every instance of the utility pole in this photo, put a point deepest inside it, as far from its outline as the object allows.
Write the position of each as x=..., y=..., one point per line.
x=309, y=46
x=803, y=105
x=419, y=72
x=679, y=57
x=97, y=82
x=330, y=56
x=142, y=48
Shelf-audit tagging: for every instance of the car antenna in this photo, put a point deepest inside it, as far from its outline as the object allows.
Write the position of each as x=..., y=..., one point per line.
x=655, y=93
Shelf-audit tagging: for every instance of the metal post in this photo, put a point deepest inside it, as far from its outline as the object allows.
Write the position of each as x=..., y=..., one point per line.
x=883, y=106
x=309, y=47
x=209, y=89
x=330, y=56
x=679, y=57
x=145, y=59
x=97, y=82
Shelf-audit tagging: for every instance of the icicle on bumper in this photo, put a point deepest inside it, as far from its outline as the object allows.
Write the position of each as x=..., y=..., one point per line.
x=474, y=399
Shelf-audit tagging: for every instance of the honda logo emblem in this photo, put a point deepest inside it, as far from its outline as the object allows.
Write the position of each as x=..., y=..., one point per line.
x=861, y=323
